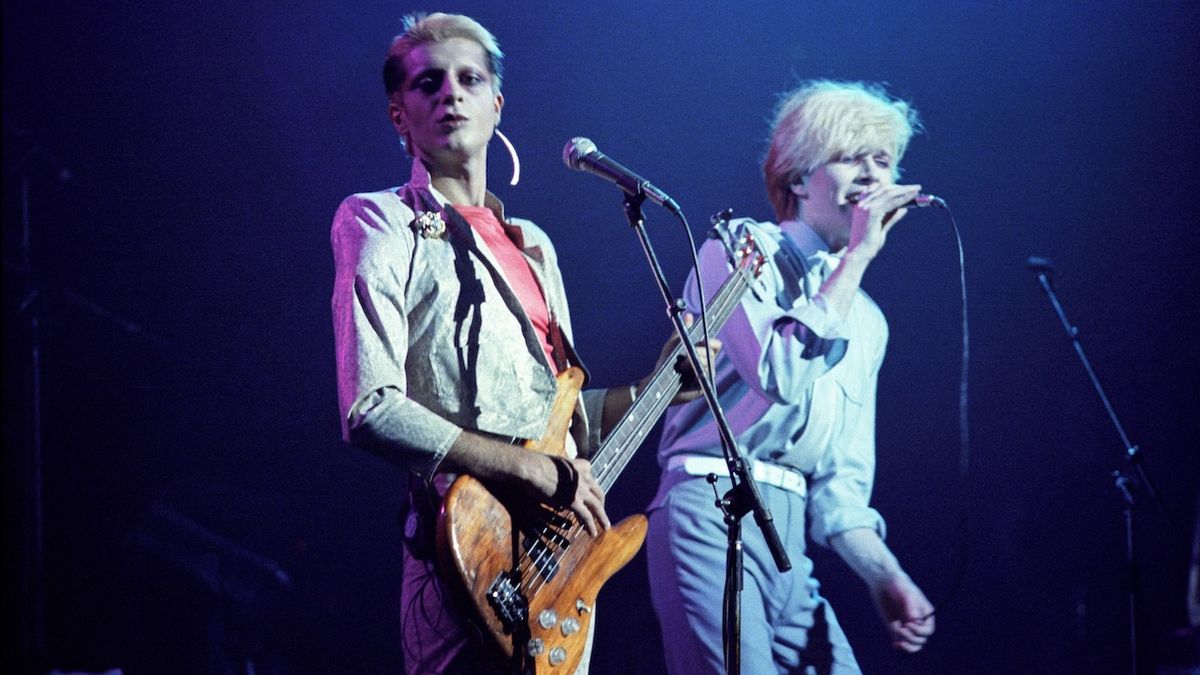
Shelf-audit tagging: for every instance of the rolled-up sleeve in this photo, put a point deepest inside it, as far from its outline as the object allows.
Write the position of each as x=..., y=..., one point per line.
x=839, y=491
x=778, y=351
x=372, y=262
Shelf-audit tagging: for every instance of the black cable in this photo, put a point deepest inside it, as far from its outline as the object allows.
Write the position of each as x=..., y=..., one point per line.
x=699, y=290
x=964, y=437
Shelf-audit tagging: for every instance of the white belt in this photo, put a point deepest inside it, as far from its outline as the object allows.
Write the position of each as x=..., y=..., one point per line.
x=764, y=472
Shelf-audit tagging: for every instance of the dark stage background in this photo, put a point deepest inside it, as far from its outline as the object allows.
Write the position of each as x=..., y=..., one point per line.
x=182, y=162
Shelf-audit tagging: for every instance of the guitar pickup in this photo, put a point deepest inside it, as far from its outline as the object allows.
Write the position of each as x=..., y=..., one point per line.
x=542, y=555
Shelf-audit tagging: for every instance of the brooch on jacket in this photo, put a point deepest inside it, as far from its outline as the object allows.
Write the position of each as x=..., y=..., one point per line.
x=430, y=225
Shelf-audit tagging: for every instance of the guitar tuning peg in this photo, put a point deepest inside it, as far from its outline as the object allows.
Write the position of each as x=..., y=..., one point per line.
x=720, y=217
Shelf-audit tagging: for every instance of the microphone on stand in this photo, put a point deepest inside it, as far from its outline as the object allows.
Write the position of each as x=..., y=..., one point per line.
x=581, y=154
x=1037, y=263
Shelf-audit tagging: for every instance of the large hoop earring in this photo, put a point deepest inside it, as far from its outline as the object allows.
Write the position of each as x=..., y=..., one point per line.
x=512, y=152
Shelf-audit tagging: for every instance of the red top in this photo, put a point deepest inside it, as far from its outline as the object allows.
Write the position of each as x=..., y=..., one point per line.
x=516, y=271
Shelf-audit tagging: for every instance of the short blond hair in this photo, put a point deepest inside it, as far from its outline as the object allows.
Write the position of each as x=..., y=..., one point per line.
x=822, y=120
x=420, y=28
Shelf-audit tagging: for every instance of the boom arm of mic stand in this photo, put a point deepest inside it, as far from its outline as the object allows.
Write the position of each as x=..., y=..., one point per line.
x=1133, y=453
x=745, y=496
x=1122, y=481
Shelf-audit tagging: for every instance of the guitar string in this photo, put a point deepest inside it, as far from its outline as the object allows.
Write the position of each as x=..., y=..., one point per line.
x=550, y=553
x=552, y=545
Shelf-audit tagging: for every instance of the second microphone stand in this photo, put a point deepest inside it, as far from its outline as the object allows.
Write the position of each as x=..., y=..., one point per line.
x=1125, y=480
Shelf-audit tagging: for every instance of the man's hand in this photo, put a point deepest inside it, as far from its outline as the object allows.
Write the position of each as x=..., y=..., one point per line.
x=906, y=612
x=570, y=483
x=903, y=607
x=875, y=214
x=555, y=480
x=707, y=351
x=618, y=400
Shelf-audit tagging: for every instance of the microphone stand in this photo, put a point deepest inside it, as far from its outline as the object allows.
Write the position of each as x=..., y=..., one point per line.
x=36, y=293
x=1128, y=478
x=33, y=600
x=744, y=497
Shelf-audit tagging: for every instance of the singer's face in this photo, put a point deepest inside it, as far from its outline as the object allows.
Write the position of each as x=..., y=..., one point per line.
x=446, y=107
x=832, y=188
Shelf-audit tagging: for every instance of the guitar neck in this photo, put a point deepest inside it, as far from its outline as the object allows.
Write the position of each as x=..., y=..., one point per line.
x=617, y=449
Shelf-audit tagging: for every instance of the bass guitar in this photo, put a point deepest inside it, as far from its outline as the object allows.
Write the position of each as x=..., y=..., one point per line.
x=531, y=572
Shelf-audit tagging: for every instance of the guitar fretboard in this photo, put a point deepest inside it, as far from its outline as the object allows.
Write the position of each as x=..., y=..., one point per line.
x=625, y=438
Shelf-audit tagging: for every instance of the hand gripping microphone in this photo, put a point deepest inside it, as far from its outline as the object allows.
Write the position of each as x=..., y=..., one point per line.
x=921, y=201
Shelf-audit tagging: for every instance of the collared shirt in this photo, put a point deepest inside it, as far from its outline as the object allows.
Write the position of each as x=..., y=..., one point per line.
x=796, y=380
x=430, y=338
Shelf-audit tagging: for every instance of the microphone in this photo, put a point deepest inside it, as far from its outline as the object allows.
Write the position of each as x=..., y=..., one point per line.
x=581, y=154
x=921, y=201
x=1039, y=264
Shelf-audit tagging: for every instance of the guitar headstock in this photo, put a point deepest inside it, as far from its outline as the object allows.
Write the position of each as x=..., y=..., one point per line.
x=741, y=251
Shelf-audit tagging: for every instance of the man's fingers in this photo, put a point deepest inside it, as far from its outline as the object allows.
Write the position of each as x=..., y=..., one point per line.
x=923, y=627
x=590, y=509
x=591, y=498
x=602, y=516
x=891, y=197
x=584, y=512
x=906, y=647
x=596, y=502
x=707, y=351
x=892, y=217
x=906, y=640
x=911, y=636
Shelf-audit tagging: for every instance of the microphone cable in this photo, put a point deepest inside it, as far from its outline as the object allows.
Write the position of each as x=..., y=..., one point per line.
x=687, y=229
x=964, y=436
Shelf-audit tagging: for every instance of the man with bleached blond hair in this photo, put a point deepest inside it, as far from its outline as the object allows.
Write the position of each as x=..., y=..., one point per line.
x=797, y=379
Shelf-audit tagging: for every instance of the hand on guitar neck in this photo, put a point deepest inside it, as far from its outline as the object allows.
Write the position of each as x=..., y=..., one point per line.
x=690, y=389
x=619, y=399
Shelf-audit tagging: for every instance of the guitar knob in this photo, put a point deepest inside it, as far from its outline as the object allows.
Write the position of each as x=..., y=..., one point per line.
x=570, y=626
x=557, y=656
x=535, y=647
x=547, y=618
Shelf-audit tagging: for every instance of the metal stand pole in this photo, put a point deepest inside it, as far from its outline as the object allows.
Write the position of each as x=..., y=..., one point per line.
x=1127, y=479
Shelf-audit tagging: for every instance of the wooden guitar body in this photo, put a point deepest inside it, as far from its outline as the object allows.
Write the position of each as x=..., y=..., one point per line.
x=532, y=573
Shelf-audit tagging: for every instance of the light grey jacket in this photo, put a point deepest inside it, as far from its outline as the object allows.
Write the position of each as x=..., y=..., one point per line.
x=431, y=339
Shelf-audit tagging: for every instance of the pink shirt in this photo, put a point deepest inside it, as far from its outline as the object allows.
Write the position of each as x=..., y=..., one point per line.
x=516, y=271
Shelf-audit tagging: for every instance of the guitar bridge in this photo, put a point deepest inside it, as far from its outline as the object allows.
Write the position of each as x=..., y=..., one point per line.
x=505, y=598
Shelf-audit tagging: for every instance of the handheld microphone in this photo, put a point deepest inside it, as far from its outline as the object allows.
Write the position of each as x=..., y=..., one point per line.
x=581, y=154
x=923, y=200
